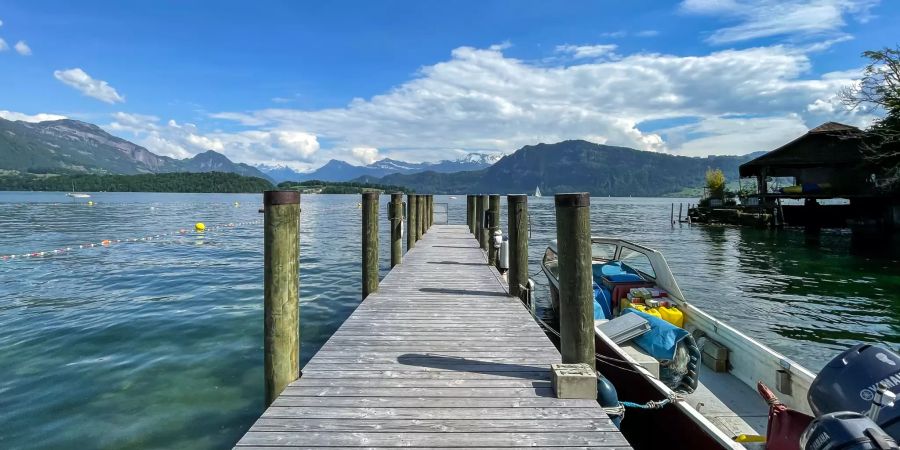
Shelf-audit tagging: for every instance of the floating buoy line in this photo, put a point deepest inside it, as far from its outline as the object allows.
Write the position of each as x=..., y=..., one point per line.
x=199, y=229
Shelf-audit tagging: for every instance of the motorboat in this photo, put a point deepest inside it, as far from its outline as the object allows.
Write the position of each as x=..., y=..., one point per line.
x=716, y=405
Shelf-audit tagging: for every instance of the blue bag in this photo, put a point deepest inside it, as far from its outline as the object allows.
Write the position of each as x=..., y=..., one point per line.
x=661, y=340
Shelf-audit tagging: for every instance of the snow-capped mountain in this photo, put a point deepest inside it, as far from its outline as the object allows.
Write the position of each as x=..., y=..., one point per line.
x=335, y=170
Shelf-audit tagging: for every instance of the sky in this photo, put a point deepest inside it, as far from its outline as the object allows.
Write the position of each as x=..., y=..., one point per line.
x=299, y=83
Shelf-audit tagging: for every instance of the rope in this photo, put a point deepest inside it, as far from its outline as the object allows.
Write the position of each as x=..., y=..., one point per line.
x=110, y=242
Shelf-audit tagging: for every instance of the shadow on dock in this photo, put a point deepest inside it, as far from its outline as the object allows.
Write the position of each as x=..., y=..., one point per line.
x=464, y=291
x=535, y=373
x=457, y=263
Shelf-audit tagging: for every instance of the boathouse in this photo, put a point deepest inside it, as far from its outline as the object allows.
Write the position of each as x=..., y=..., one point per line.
x=826, y=163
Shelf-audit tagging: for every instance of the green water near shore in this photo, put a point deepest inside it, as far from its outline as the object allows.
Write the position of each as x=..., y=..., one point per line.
x=158, y=344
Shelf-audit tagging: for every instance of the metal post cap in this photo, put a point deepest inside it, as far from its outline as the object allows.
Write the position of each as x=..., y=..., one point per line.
x=281, y=197
x=576, y=199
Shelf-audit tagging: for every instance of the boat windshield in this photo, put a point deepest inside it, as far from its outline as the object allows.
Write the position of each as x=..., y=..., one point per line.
x=603, y=251
x=638, y=261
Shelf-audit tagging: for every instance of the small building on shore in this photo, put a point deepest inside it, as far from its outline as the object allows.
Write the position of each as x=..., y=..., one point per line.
x=820, y=179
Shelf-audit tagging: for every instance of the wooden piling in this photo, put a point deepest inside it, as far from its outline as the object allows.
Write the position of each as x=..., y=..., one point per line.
x=479, y=217
x=420, y=217
x=483, y=233
x=470, y=212
x=517, y=208
x=576, y=303
x=369, y=243
x=410, y=221
x=680, y=206
x=494, y=221
x=395, y=214
x=428, y=212
x=281, y=287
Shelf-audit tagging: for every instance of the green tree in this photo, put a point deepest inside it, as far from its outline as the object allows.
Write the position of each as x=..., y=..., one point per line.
x=715, y=183
x=878, y=91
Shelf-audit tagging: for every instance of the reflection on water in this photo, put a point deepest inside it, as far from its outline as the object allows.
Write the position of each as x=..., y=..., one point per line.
x=159, y=344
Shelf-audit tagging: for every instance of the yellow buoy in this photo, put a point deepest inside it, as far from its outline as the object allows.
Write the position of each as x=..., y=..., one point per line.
x=199, y=226
x=237, y=203
x=90, y=203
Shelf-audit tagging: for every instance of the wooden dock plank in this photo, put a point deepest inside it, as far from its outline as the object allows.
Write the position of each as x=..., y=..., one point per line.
x=439, y=357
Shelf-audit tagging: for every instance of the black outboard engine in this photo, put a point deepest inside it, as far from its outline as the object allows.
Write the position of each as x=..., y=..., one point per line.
x=845, y=431
x=853, y=401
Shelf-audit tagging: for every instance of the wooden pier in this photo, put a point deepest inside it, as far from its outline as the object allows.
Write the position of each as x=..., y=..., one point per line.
x=439, y=356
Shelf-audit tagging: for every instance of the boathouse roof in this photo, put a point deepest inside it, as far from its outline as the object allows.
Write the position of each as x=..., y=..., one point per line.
x=828, y=145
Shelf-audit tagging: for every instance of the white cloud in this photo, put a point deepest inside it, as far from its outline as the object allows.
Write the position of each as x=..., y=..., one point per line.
x=766, y=18
x=622, y=33
x=40, y=117
x=3, y=45
x=99, y=89
x=184, y=140
x=480, y=99
x=22, y=48
x=365, y=155
x=724, y=135
x=1, y=23
x=588, y=51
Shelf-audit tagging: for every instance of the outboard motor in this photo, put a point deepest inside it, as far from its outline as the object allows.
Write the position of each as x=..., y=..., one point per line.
x=845, y=431
x=850, y=382
x=853, y=400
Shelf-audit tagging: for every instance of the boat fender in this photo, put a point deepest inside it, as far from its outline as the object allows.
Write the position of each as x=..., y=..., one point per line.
x=609, y=400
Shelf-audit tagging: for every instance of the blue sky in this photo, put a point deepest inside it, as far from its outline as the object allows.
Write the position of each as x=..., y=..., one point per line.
x=302, y=82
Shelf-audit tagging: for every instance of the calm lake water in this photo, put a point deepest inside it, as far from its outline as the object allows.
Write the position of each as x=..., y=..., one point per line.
x=158, y=343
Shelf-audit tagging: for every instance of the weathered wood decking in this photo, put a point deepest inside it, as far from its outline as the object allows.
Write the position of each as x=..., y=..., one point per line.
x=440, y=356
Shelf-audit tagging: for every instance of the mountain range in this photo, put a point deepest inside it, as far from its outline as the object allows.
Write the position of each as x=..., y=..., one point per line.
x=576, y=166
x=72, y=146
x=335, y=170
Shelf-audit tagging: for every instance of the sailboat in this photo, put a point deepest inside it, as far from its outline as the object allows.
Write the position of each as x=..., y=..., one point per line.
x=537, y=191
x=74, y=194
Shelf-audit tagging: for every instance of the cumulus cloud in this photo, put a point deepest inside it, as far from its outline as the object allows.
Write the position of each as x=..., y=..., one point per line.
x=84, y=83
x=185, y=140
x=726, y=134
x=481, y=99
x=22, y=48
x=365, y=155
x=766, y=18
x=588, y=51
x=40, y=117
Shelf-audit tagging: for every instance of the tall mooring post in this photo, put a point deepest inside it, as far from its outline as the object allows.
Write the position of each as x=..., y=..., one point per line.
x=411, y=226
x=369, y=243
x=420, y=217
x=430, y=210
x=483, y=233
x=478, y=218
x=493, y=228
x=470, y=212
x=576, y=303
x=395, y=214
x=517, y=207
x=281, y=290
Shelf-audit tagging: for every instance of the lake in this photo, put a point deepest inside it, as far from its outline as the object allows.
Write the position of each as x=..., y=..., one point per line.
x=157, y=343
